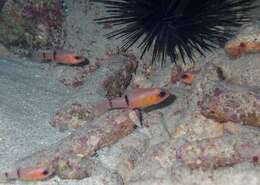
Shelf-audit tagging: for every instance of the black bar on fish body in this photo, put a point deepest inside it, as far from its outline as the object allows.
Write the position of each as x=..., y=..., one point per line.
x=44, y=55
x=18, y=173
x=6, y=175
x=126, y=100
x=54, y=54
x=110, y=103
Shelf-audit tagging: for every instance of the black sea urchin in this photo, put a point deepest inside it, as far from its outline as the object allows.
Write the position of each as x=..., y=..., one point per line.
x=174, y=26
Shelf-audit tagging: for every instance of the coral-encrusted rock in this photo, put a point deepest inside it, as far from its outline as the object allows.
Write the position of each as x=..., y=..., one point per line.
x=125, y=155
x=151, y=76
x=119, y=76
x=79, y=168
x=11, y=28
x=220, y=152
x=250, y=151
x=72, y=116
x=165, y=154
x=199, y=128
x=247, y=41
x=97, y=135
x=27, y=24
x=232, y=103
x=74, y=77
x=243, y=71
x=232, y=127
x=208, y=154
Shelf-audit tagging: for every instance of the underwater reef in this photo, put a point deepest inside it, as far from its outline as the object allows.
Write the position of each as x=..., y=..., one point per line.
x=209, y=132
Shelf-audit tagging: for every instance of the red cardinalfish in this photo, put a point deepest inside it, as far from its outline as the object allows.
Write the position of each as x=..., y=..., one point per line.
x=28, y=174
x=138, y=99
x=188, y=77
x=60, y=57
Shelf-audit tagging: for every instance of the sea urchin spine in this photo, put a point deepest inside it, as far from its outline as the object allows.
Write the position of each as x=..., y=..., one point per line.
x=174, y=27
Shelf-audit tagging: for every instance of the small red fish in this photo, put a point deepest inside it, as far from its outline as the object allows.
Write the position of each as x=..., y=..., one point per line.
x=61, y=57
x=188, y=77
x=28, y=174
x=138, y=99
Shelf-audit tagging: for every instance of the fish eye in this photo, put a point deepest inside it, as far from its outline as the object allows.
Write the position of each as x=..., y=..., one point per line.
x=184, y=76
x=45, y=172
x=162, y=93
x=77, y=57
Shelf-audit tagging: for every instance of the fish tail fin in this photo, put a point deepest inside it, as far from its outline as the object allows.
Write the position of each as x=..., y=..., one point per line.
x=8, y=176
x=40, y=56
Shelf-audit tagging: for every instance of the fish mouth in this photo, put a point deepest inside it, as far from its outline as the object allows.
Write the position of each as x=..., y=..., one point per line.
x=82, y=62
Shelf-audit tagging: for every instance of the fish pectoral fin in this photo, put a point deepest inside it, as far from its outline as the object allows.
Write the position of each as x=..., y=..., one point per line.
x=139, y=113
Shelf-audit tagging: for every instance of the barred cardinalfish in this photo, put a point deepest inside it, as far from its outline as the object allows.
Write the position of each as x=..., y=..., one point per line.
x=28, y=174
x=138, y=99
x=60, y=57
